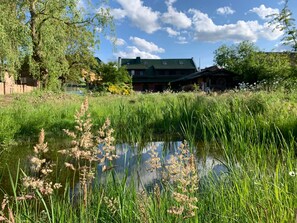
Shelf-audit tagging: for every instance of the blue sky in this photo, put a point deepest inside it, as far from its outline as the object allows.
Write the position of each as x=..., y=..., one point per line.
x=189, y=28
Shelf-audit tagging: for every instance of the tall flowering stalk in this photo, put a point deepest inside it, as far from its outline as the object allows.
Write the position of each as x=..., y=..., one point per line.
x=183, y=174
x=41, y=168
x=179, y=174
x=84, y=152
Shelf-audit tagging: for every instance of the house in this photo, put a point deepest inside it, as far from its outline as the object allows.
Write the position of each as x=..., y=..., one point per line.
x=212, y=78
x=156, y=74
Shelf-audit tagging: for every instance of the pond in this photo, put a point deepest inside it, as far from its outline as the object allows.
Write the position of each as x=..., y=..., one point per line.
x=132, y=162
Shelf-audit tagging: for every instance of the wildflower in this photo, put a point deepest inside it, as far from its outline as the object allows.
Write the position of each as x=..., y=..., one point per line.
x=183, y=173
x=42, y=168
x=292, y=173
x=112, y=204
x=70, y=166
x=154, y=161
x=142, y=204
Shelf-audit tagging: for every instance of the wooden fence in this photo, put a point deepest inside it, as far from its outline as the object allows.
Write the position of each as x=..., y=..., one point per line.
x=15, y=88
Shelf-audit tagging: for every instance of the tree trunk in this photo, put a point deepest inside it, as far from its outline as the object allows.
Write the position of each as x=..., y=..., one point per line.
x=36, y=40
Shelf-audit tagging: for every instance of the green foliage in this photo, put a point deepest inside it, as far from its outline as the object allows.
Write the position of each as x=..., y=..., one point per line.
x=57, y=36
x=113, y=79
x=253, y=65
x=111, y=73
x=237, y=58
x=12, y=37
x=284, y=21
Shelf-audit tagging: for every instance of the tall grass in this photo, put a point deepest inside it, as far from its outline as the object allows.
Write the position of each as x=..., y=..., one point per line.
x=142, y=117
x=255, y=131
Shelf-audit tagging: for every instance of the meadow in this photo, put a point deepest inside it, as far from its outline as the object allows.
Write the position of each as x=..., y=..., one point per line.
x=255, y=131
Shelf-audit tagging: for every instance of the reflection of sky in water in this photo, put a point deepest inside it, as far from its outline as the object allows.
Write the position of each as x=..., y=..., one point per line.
x=133, y=162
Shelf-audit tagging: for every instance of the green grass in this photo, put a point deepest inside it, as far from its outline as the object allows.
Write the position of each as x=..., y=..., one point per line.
x=140, y=117
x=256, y=132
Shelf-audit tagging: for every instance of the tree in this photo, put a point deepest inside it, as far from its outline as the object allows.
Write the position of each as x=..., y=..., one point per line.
x=284, y=22
x=113, y=78
x=237, y=58
x=61, y=36
x=111, y=73
x=12, y=37
x=251, y=64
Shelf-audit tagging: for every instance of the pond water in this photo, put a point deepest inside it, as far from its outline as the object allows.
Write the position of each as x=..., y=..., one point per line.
x=131, y=163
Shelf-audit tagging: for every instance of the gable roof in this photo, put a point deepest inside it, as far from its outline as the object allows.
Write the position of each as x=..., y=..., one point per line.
x=213, y=71
x=159, y=64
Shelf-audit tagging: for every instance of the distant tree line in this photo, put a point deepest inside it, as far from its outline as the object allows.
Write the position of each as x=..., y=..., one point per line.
x=254, y=65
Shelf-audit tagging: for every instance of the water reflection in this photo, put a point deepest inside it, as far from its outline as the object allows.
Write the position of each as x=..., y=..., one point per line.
x=133, y=163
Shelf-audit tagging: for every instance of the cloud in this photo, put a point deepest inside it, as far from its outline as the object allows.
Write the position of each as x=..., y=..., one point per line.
x=172, y=32
x=118, y=13
x=206, y=30
x=170, y=2
x=142, y=44
x=264, y=12
x=225, y=11
x=182, y=40
x=133, y=52
x=141, y=16
x=116, y=41
x=175, y=18
x=141, y=48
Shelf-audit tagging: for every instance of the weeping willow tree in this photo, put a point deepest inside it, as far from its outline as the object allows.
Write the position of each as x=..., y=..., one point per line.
x=57, y=36
x=13, y=37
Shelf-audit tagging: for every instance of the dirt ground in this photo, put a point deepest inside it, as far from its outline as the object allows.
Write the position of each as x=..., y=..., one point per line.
x=6, y=99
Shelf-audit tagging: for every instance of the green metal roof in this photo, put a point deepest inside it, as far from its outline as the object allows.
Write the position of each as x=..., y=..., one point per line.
x=158, y=64
x=149, y=79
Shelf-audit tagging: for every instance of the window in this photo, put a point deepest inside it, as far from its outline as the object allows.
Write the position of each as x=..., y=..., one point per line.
x=164, y=62
x=181, y=62
x=132, y=72
x=141, y=73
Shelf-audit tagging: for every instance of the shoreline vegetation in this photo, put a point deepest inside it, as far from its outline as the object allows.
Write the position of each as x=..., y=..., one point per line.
x=256, y=132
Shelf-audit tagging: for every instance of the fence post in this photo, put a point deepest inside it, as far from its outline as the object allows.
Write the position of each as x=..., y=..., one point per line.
x=4, y=88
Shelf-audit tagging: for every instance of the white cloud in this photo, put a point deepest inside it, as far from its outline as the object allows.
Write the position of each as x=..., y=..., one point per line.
x=142, y=44
x=182, y=40
x=133, y=52
x=142, y=16
x=172, y=32
x=170, y=2
x=116, y=41
x=175, y=18
x=206, y=30
x=225, y=11
x=118, y=13
x=263, y=12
